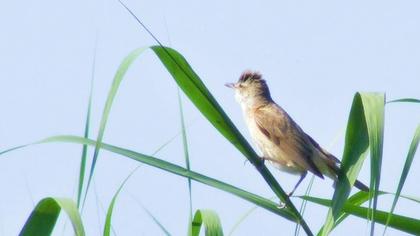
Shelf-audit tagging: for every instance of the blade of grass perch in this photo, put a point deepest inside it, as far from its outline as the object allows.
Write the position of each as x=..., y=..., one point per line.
x=197, y=92
x=44, y=216
x=403, y=223
x=175, y=169
x=211, y=223
x=185, y=147
x=410, y=156
x=122, y=69
x=365, y=126
x=411, y=100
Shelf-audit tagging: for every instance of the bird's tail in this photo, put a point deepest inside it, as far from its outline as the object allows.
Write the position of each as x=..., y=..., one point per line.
x=333, y=163
x=361, y=186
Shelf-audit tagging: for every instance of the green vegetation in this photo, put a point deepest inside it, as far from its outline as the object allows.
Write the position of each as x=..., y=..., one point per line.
x=364, y=135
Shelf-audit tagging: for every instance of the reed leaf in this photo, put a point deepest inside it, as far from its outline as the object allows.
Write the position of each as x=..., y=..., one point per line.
x=107, y=225
x=409, y=160
x=403, y=223
x=186, y=154
x=126, y=63
x=364, y=133
x=44, y=216
x=358, y=199
x=175, y=169
x=82, y=168
x=409, y=100
x=157, y=222
x=210, y=220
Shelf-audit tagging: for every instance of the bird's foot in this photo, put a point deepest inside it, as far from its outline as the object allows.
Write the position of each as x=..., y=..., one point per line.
x=260, y=164
x=281, y=205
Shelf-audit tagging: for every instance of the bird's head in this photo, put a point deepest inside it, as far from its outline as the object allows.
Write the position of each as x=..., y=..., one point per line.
x=250, y=89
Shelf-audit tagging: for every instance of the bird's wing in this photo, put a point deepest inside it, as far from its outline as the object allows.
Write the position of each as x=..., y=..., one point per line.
x=279, y=127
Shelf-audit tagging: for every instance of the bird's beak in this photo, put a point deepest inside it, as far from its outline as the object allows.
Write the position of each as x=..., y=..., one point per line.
x=230, y=85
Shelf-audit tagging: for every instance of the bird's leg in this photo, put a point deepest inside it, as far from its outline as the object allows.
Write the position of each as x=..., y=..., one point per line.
x=260, y=164
x=300, y=180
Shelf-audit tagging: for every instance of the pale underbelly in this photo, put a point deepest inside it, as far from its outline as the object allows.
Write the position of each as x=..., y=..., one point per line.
x=272, y=152
x=278, y=158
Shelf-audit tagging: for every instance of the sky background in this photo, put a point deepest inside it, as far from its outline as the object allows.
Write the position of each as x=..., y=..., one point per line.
x=314, y=55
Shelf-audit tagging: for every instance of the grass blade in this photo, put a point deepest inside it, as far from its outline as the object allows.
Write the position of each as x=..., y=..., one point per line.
x=364, y=130
x=358, y=199
x=409, y=160
x=86, y=134
x=44, y=216
x=241, y=219
x=355, y=151
x=126, y=63
x=185, y=146
x=373, y=106
x=107, y=226
x=304, y=202
x=187, y=157
x=403, y=223
x=411, y=100
x=211, y=223
x=157, y=222
x=174, y=169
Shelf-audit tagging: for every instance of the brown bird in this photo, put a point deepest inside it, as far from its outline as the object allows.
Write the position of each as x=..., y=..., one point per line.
x=280, y=139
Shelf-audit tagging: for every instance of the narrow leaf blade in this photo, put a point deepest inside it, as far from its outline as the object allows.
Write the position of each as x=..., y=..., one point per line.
x=211, y=223
x=409, y=160
x=364, y=130
x=44, y=216
x=403, y=223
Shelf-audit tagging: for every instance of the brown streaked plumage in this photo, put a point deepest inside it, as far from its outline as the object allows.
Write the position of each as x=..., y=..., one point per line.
x=280, y=139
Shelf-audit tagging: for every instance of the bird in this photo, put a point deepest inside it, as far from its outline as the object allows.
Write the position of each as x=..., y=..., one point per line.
x=280, y=139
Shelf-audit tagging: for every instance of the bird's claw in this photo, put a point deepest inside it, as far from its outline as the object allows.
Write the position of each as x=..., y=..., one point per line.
x=260, y=164
x=281, y=205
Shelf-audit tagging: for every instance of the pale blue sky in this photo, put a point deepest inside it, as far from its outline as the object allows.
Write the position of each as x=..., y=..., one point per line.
x=314, y=54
